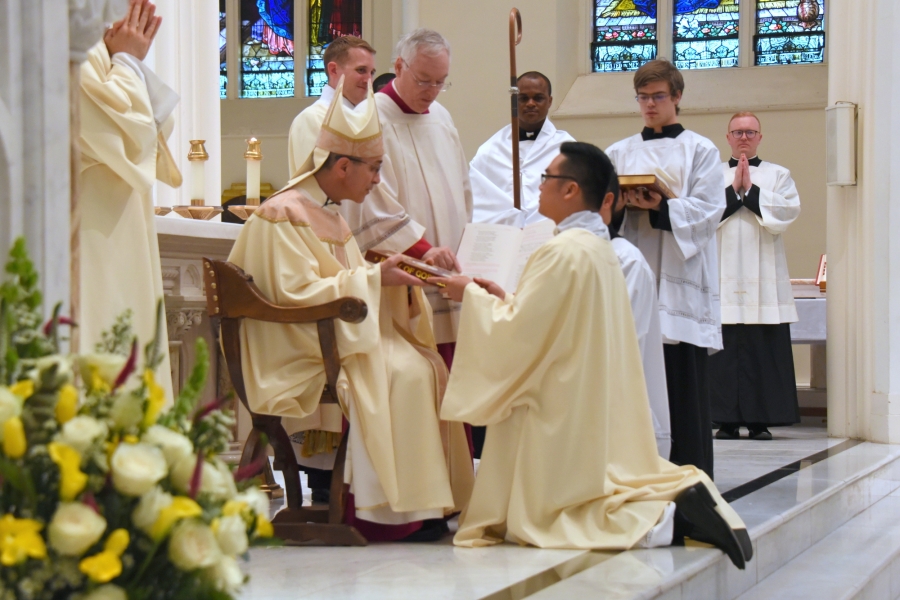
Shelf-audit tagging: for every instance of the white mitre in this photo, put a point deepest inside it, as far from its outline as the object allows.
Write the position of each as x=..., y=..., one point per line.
x=346, y=132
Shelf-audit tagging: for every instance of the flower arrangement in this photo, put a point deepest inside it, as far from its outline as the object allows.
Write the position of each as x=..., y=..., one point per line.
x=105, y=494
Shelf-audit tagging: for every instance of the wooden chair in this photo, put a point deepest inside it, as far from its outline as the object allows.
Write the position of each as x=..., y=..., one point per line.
x=231, y=296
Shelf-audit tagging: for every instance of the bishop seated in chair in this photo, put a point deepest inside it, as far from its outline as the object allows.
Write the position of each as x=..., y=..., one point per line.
x=404, y=466
x=570, y=459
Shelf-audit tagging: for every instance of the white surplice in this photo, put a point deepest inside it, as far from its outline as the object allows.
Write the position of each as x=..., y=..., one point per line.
x=306, y=127
x=491, y=175
x=684, y=259
x=424, y=192
x=756, y=287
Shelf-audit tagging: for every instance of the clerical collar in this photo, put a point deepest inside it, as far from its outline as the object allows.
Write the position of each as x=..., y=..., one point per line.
x=585, y=219
x=393, y=95
x=754, y=162
x=310, y=185
x=528, y=136
x=668, y=131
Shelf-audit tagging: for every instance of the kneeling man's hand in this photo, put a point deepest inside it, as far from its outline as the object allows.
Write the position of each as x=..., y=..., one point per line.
x=392, y=274
x=490, y=287
x=455, y=287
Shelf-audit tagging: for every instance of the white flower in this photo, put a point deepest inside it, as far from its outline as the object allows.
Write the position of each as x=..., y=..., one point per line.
x=107, y=592
x=232, y=535
x=127, y=410
x=226, y=575
x=256, y=499
x=75, y=527
x=136, y=468
x=10, y=406
x=147, y=511
x=62, y=363
x=193, y=546
x=106, y=366
x=215, y=478
x=173, y=445
x=81, y=431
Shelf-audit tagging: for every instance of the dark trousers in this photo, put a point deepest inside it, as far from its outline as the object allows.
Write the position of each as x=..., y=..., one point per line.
x=687, y=380
x=317, y=479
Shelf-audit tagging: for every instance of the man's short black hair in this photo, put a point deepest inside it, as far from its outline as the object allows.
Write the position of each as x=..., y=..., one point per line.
x=591, y=168
x=537, y=75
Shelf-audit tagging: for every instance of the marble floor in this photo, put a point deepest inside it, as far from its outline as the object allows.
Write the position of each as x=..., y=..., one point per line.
x=439, y=570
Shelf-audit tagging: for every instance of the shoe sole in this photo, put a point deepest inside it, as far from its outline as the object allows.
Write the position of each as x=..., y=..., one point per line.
x=698, y=506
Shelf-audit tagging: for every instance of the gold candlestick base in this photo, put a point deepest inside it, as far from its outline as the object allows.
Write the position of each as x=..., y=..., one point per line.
x=243, y=211
x=161, y=211
x=198, y=210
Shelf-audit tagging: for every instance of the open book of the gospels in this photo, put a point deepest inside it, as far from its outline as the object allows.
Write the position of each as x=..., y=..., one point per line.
x=645, y=183
x=488, y=251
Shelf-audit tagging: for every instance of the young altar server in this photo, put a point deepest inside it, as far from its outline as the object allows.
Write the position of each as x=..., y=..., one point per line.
x=554, y=371
x=752, y=381
x=349, y=57
x=403, y=465
x=641, y=286
x=424, y=199
x=677, y=237
x=126, y=116
x=491, y=169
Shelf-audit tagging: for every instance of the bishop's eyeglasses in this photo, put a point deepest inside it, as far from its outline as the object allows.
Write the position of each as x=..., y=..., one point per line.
x=443, y=85
x=739, y=133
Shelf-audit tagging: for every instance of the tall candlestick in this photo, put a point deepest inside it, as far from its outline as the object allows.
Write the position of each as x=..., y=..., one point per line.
x=254, y=157
x=198, y=157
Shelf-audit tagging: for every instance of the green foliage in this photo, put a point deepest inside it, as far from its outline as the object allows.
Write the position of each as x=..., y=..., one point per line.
x=118, y=339
x=190, y=393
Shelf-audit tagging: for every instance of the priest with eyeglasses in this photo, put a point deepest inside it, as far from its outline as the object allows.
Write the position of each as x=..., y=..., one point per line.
x=752, y=382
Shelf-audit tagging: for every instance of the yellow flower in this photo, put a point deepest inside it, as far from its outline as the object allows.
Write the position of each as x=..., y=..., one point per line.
x=67, y=403
x=97, y=383
x=264, y=528
x=23, y=389
x=107, y=565
x=71, y=479
x=233, y=507
x=182, y=507
x=20, y=539
x=14, y=443
x=156, y=400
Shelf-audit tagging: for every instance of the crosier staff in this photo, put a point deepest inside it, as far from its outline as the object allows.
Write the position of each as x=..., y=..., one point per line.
x=515, y=36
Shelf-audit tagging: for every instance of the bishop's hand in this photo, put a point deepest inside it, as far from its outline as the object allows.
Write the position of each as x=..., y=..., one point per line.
x=392, y=274
x=135, y=32
x=442, y=257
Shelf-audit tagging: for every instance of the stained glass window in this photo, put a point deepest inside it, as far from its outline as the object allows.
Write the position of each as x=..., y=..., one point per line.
x=267, y=48
x=328, y=20
x=706, y=33
x=223, y=40
x=624, y=34
x=790, y=32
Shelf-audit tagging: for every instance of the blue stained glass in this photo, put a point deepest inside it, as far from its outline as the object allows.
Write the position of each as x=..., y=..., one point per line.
x=706, y=33
x=267, y=48
x=790, y=32
x=624, y=34
x=328, y=19
x=223, y=65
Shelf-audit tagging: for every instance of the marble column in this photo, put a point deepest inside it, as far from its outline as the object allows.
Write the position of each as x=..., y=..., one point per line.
x=186, y=56
x=863, y=246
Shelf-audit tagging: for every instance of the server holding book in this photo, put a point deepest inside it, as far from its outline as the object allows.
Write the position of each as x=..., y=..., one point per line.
x=752, y=380
x=677, y=237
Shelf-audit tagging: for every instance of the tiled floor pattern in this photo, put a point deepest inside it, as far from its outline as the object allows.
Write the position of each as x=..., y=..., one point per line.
x=784, y=519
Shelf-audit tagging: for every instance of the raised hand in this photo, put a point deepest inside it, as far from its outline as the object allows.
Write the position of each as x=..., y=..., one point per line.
x=738, y=183
x=392, y=274
x=746, y=177
x=135, y=32
x=443, y=258
x=490, y=287
x=454, y=287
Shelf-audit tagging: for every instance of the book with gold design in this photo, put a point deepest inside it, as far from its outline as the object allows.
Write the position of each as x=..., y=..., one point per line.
x=647, y=183
x=413, y=266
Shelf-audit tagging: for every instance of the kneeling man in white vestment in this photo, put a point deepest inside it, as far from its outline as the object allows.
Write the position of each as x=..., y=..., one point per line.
x=403, y=466
x=554, y=371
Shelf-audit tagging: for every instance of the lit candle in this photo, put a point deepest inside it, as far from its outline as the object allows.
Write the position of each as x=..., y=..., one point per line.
x=254, y=158
x=198, y=157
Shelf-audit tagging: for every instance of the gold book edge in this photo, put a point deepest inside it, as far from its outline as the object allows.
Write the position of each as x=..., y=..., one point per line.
x=646, y=182
x=413, y=266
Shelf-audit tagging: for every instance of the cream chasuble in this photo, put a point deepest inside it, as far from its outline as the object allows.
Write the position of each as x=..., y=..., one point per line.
x=554, y=371
x=123, y=151
x=306, y=127
x=683, y=256
x=756, y=287
x=403, y=464
x=424, y=192
x=491, y=175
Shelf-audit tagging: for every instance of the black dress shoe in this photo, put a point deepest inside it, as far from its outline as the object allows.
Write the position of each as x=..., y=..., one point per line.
x=698, y=507
x=725, y=433
x=760, y=434
x=432, y=530
x=321, y=496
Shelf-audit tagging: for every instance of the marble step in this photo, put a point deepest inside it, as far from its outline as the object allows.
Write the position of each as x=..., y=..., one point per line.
x=860, y=559
x=784, y=519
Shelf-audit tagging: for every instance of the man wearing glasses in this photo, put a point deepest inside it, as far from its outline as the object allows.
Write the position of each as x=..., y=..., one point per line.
x=424, y=199
x=752, y=381
x=677, y=237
